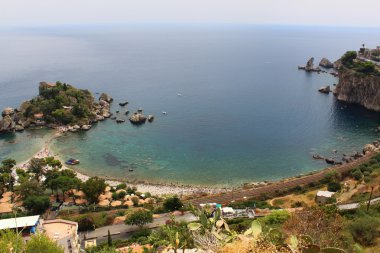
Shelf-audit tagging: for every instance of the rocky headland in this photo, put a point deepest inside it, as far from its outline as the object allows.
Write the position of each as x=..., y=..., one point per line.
x=356, y=86
x=58, y=105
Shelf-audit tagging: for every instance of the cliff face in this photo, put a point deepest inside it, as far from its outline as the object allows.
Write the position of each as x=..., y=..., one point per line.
x=359, y=88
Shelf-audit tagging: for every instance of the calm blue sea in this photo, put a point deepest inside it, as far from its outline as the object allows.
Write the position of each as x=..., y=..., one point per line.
x=246, y=113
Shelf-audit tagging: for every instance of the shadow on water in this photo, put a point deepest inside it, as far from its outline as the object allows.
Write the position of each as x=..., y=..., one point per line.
x=351, y=116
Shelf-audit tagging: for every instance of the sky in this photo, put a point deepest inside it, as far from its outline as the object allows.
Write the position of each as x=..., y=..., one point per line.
x=82, y=12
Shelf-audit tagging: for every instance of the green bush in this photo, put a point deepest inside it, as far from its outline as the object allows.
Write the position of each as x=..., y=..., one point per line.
x=37, y=204
x=365, y=230
x=86, y=224
x=276, y=217
x=239, y=224
x=173, y=204
x=121, y=186
x=357, y=174
x=121, y=195
x=115, y=196
x=334, y=187
x=348, y=58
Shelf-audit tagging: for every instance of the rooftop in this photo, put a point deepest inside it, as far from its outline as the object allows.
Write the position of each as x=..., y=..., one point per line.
x=28, y=221
x=326, y=194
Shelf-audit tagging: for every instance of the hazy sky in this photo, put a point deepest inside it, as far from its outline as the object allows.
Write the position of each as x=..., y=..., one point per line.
x=321, y=12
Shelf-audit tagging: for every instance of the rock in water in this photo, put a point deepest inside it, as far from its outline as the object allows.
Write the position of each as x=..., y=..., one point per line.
x=330, y=161
x=325, y=89
x=105, y=97
x=137, y=118
x=7, y=124
x=310, y=64
x=120, y=120
x=8, y=112
x=326, y=63
x=150, y=118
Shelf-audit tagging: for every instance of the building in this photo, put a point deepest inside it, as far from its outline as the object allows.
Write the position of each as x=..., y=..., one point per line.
x=26, y=225
x=323, y=196
x=64, y=232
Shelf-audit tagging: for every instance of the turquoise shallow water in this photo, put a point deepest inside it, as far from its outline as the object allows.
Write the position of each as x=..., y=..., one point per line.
x=246, y=113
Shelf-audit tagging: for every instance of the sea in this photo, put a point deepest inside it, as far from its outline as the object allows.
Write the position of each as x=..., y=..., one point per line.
x=238, y=110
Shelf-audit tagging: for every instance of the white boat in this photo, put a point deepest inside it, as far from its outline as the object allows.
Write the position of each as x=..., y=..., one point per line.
x=164, y=113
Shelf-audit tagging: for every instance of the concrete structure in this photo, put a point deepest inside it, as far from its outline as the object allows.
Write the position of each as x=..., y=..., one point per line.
x=64, y=232
x=323, y=196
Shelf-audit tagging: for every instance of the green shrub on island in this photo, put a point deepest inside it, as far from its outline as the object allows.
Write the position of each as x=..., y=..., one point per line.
x=61, y=103
x=348, y=60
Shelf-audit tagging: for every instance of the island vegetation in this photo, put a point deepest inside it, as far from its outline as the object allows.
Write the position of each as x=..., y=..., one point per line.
x=57, y=104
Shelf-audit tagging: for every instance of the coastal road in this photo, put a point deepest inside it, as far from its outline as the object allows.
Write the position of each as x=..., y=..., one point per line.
x=352, y=206
x=242, y=194
x=122, y=231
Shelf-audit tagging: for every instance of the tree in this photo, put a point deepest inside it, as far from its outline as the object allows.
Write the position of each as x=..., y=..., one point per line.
x=37, y=204
x=135, y=201
x=365, y=230
x=109, y=239
x=7, y=165
x=93, y=187
x=40, y=243
x=121, y=186
x=36, y=167
x=6, y=179
x=367, y=67
x=66, y=183
x=173, y=204
x=11, y=242
x=50, y=177
x=86, y=223
x=53, y=162
x=334, y=186
x=139, y=218
x=348, y=58
x=29, y=188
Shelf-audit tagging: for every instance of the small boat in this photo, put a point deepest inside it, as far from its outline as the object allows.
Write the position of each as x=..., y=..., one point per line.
x=72, y=162
x=130, y=170
x=164, y=113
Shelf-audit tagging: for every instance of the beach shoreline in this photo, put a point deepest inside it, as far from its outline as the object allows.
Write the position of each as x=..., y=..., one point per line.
x=153, y=188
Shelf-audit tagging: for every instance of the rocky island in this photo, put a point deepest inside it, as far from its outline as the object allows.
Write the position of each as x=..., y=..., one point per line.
x=57, y=105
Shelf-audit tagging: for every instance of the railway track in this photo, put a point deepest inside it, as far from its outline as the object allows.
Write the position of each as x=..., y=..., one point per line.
x=241, y=194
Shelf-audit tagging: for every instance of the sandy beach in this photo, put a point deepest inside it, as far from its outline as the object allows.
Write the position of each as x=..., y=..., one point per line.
x=154, y=189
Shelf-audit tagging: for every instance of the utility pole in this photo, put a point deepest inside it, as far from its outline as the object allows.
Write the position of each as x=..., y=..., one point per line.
x=370, y=197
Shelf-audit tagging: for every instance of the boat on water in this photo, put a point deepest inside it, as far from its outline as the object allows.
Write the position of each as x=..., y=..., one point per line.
x=72, y=161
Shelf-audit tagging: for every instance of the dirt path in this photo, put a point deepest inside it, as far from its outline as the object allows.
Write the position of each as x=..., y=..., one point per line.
x=241, y=194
